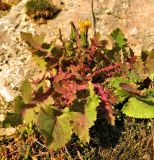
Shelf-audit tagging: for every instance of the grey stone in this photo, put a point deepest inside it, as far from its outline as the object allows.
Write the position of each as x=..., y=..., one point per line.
x=14, y=54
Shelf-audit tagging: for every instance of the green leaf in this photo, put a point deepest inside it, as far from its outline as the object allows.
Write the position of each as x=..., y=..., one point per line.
x=91, y=106
x=145, y=55
x=144, y=65
x=78, y=106
x=119, y=37
x=115, y=82
x=18, y=104
x=83, y=122
x=80, y=126
x=45, y=122
x=139, y=108
x=15, y=118
x=84, y=39
x=69, y=48
x=57, y=130
x=150, y=68
x=151, y=54
x=139, y=68
x=40, y=61
x=48, y=101
x=73, y=34
x=57, y=52
x=34, y=41
x=12, y=119
x=122, y=94
x=150, y=93
x=133, y=76
x=62, y=131
x=30, y=114
x=26, y=91
x=41, y=88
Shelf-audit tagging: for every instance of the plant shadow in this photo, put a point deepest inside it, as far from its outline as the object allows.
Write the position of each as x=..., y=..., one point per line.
x=104, y=134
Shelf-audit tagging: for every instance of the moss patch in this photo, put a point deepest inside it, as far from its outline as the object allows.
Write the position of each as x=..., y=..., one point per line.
x=41, y=9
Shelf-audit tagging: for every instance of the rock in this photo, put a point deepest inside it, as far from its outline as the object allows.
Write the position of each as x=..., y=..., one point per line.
x=71, y=10
x=6, y=91
x=135, y=18
x=14, y=54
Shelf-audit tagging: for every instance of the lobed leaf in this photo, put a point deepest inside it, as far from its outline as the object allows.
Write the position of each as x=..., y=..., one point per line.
x=133, y=76
x=91, y=106
x=119, y=37
x=115, y=82
x=26, y=91
x=61, y=132
x=40, y=61
x=34, y=41
x=19, y=104
x=30, y=114
x=46, y=121
x=139, y=108
x=12, y=119
x=80, y=125
x=83, y=121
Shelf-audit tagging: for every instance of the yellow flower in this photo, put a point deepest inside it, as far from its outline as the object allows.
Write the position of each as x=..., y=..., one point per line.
x=84, y=25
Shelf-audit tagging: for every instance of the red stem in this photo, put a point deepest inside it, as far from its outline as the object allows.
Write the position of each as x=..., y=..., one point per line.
x=101, y=70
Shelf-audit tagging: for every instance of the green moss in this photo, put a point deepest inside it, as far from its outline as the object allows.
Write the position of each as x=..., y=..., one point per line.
x=37, y=5
x=41, y=9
